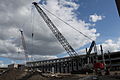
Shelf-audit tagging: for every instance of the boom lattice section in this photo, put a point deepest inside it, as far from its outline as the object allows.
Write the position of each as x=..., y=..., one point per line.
x=56, y=32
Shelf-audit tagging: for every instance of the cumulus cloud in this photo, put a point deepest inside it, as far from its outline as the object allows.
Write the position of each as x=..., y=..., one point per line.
x=44, y=44
x=108, y=45
x=2, y=64
x=111, y=45
x=41, y=57
x=95, y=17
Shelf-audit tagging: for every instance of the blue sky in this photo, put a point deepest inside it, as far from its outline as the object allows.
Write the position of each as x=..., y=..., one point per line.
x=7, y=61
x=108, y=27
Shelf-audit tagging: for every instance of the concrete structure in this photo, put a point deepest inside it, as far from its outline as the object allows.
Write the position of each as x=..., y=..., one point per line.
x=16, y=66
x=3, y=69
x=66, y=65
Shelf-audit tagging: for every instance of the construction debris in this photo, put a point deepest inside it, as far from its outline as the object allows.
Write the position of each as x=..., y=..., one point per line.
x=17, y=74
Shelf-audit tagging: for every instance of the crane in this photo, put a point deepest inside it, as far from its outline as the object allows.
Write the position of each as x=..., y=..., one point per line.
x=24, y=45
x=89, y=64
x=93, y=45
x=72, y=53
x=56, y=32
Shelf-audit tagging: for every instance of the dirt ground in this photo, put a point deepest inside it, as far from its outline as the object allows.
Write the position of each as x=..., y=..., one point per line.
x=23, y=75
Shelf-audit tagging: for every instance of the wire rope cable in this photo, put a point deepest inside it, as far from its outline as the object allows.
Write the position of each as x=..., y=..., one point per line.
x=67, y=23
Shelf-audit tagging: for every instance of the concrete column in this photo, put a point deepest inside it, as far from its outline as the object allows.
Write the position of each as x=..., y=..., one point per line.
x=56, y=67
x=76, y=64
x=63, y=67
x=60, y=67
x=58, y=71
x=68, y=67
x=72, y=65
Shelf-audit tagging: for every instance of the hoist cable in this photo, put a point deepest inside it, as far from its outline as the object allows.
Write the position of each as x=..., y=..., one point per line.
x=68, y=24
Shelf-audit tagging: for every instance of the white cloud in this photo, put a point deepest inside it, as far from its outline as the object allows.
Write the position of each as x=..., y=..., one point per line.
x=13, y=62
x=108, y=45
x=41, y=57
x=112, y=46
x=2, y=64
x=44, y=44
x=95, y=17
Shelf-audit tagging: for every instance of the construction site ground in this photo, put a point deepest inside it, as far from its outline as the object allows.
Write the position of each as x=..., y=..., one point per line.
x=16, y=74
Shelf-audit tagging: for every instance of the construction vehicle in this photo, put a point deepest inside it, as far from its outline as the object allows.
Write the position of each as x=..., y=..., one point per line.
x=93, y=64
x=24, y=45
x=98, y=67
x=89, y=66
x=72, y=53
x=93, y=45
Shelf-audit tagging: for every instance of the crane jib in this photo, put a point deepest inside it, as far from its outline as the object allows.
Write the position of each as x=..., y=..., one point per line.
x=56, y=32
